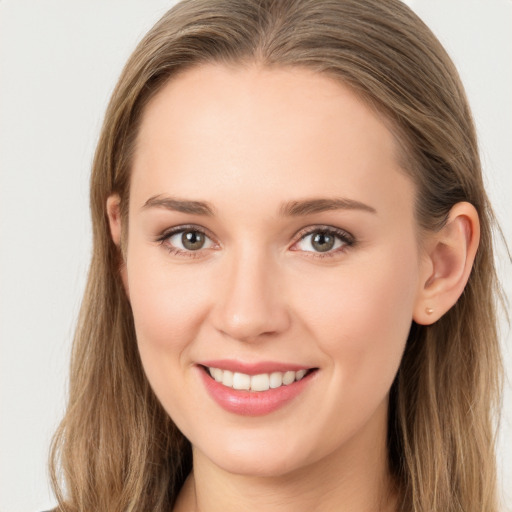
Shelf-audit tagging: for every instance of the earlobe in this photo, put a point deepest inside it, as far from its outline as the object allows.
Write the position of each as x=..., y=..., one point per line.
x=448, y=263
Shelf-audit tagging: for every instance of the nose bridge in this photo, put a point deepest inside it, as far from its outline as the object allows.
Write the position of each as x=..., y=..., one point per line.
x=250, y=303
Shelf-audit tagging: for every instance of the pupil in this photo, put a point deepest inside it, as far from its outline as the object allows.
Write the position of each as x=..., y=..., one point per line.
x=192, y=240
x=323, y=242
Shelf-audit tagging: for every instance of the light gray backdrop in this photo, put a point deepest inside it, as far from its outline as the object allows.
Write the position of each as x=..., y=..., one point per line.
x=59, y=60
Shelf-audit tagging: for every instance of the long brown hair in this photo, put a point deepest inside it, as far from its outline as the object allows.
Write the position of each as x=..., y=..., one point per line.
x=116, y=448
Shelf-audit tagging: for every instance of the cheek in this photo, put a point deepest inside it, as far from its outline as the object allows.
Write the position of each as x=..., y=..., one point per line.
x=361, y=317
x=168, y=309
x=165, y=299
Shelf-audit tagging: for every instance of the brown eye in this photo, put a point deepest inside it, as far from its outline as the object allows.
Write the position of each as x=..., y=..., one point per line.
x=192, y=240
x=187, y=240
x=322, y=242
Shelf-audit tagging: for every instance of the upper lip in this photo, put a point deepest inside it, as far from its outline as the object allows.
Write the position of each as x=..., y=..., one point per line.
x=253, y=368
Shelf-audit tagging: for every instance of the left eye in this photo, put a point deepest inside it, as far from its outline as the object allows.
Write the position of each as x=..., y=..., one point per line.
x=189, y=240
x=323, y=240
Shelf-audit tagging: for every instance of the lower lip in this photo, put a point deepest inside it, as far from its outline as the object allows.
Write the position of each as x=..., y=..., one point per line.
x=253, y=403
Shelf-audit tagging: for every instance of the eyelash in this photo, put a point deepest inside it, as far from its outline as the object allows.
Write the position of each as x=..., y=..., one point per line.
x=345, y=237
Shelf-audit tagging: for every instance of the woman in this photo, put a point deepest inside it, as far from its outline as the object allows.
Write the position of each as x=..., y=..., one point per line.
x=291, y=299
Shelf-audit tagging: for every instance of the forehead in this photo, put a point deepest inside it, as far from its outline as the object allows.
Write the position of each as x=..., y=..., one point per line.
x=259, y=134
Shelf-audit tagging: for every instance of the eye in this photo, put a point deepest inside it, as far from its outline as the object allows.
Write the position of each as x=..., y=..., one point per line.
x=186, y=240
x=326, y=241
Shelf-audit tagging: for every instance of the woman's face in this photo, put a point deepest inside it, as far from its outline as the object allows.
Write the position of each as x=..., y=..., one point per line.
x=270, y=231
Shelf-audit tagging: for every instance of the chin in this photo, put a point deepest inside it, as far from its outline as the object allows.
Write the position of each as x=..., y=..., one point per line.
x=257, y=466
x=258, y=458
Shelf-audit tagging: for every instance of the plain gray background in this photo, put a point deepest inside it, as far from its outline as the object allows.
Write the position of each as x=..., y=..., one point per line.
x=59, y=61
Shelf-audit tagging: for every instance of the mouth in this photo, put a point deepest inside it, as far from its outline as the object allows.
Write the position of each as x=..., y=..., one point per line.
x=255, y=389
x=256, y=383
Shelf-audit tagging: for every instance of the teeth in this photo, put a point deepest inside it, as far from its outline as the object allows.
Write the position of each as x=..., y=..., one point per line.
x=241, y=381
x=261, y=382
x=216, y=374
x=288, y=378
x=227, y=378
x=276, y=380
x=300, y=374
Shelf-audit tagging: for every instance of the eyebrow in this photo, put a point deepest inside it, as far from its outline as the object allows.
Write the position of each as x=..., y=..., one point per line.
x=310, y=206
x=288, y=209
x=180, y=205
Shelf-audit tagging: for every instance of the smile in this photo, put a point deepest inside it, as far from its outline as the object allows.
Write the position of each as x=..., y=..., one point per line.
x=261, y=382
x=254, y=389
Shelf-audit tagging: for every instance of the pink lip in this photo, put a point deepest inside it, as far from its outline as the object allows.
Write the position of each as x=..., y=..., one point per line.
x=253, y=368
x=252, y=403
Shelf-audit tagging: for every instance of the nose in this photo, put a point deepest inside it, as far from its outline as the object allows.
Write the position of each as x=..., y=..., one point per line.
x=250, y=305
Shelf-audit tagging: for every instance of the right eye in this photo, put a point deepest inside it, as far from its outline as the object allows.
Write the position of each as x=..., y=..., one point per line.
x=186, y=241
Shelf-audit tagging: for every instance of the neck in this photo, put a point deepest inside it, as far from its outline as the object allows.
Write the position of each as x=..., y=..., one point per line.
x=355, y=478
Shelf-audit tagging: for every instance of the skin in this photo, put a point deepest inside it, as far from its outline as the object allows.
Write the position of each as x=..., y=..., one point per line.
x=247, y=140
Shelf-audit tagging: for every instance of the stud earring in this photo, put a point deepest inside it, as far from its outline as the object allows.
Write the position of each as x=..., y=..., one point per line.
x=429, y=311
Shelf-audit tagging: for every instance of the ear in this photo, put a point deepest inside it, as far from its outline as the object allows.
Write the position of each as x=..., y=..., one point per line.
x=447, y=264
x=114, y=218
x=116, y=229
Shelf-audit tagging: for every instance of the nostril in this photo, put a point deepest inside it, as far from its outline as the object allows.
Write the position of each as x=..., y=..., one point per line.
x=248, y=334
